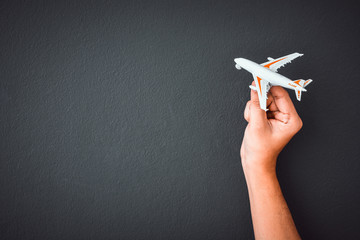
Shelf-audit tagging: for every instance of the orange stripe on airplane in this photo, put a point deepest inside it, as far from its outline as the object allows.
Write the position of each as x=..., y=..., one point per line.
x=297, y=82
x=269, y=64
x=259, y=79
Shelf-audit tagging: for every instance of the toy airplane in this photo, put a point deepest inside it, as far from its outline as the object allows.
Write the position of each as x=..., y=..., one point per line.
x=265, y=75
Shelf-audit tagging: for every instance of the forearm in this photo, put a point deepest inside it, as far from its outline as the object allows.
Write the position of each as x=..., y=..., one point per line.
x=270, y=214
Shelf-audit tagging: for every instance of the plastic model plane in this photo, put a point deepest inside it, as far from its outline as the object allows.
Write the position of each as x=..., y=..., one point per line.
x=265, y=75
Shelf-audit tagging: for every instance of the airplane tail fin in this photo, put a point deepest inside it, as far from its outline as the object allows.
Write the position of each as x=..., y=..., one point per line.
x=301, y=84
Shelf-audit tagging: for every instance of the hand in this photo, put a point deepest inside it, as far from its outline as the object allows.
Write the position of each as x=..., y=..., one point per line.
x=267, y=133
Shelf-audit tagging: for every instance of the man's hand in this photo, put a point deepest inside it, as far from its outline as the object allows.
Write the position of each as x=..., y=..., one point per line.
x=268, y=132
x=265, y=136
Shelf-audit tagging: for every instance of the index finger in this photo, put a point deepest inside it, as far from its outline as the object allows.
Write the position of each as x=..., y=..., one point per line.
x=282, y=100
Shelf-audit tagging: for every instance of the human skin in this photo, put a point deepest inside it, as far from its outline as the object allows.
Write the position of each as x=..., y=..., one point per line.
x=265, y=136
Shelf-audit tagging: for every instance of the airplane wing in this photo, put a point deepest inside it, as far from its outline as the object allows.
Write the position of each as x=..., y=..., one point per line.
x=275, y=64
x=262, y=87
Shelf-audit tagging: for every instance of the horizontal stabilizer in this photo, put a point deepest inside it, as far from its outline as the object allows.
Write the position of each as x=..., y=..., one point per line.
x=302, y=83
x=300, y=87
x=307, y=82
x=298, y=94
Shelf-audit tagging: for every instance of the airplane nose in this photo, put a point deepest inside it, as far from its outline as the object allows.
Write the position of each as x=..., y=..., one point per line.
x=237, y=61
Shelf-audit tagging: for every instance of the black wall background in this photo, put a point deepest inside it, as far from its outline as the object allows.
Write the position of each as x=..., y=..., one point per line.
x=124, y=119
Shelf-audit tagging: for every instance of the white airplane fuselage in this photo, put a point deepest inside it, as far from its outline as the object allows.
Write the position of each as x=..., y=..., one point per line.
x=275, y=79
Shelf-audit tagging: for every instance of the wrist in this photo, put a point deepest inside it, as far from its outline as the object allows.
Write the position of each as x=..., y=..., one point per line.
x=259, y=177
x=259, y=166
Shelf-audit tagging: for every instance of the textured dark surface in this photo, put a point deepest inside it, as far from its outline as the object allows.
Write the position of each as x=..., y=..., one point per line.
x=123, y=120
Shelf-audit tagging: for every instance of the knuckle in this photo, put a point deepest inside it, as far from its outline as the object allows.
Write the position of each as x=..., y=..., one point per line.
x=246, y=111
x=298, y=124
x=246, y=116
x=255, y=102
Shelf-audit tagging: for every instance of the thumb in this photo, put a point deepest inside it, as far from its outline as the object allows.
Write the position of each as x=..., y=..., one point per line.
x=257, y=115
